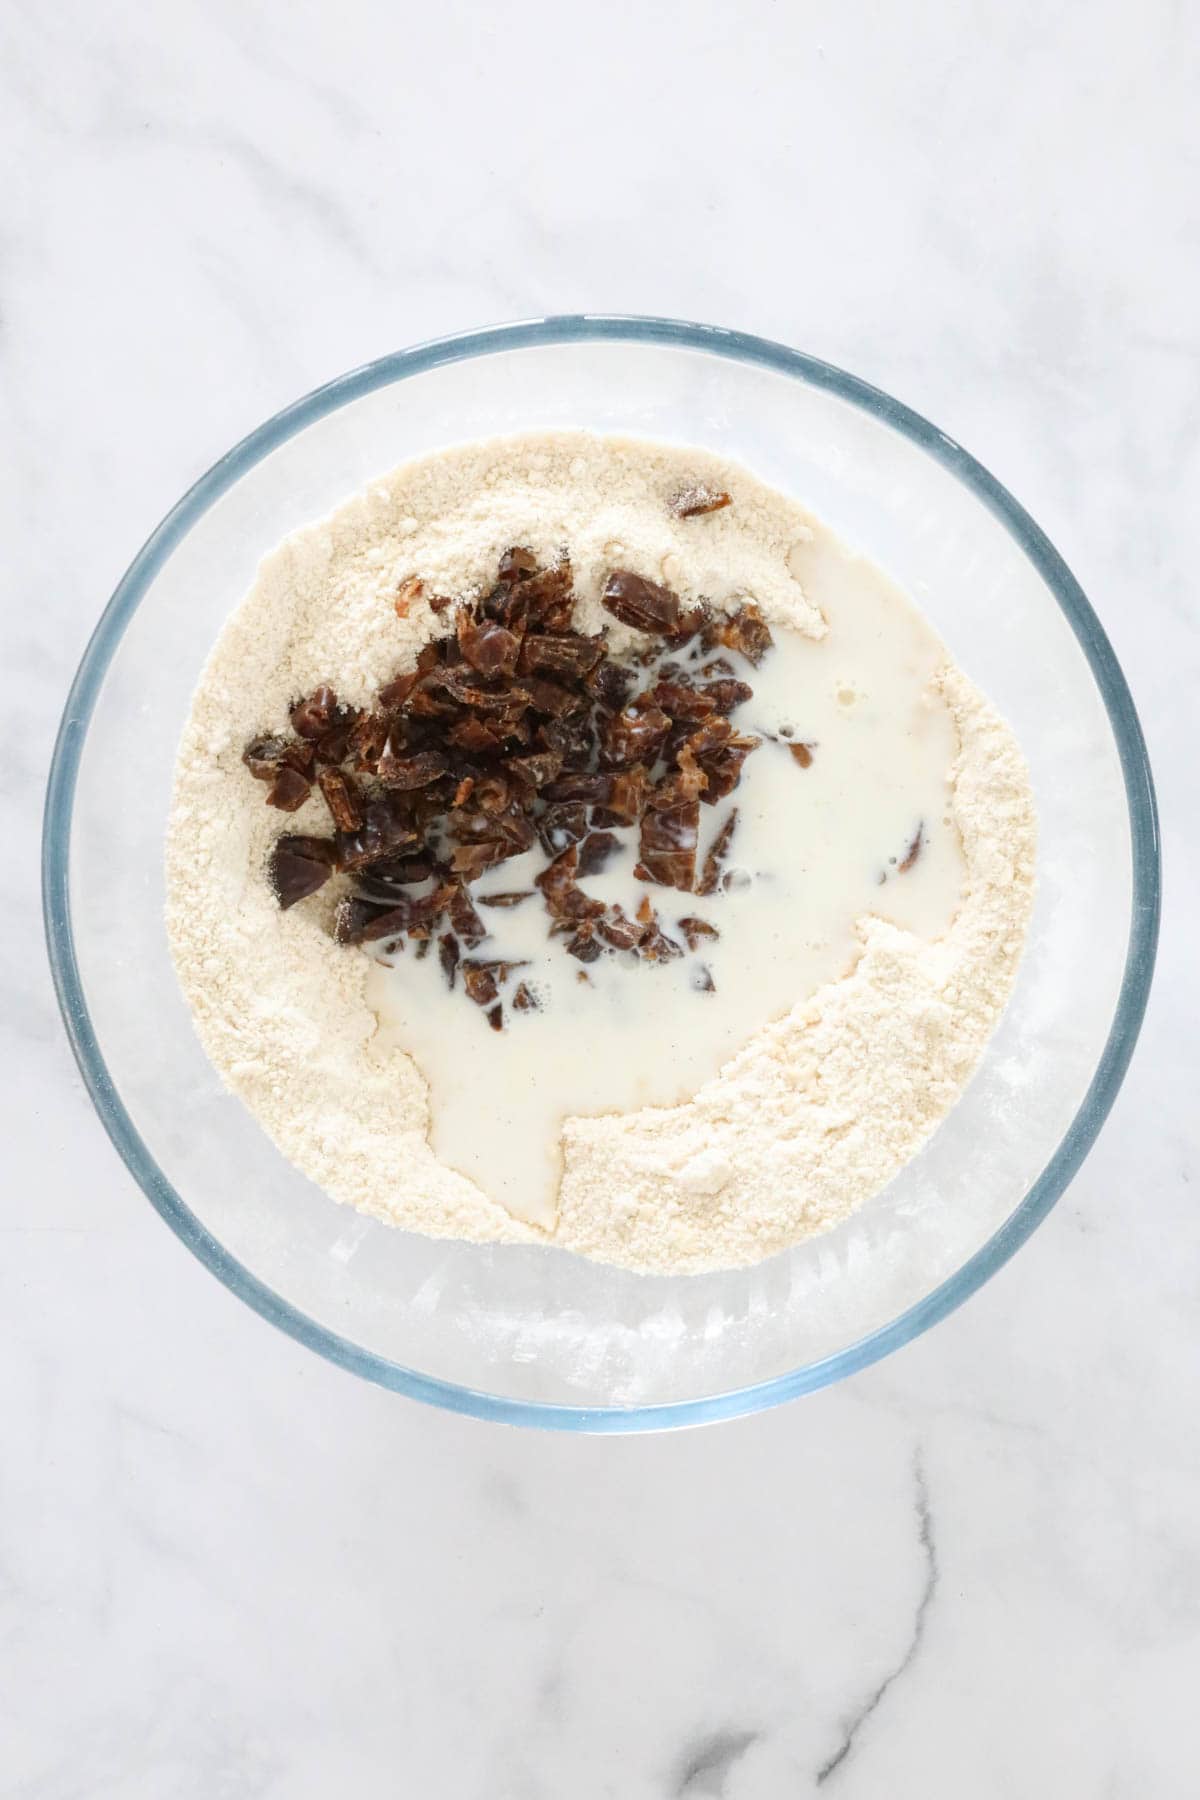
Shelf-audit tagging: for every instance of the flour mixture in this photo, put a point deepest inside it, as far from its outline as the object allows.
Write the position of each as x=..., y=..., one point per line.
x=574, y=843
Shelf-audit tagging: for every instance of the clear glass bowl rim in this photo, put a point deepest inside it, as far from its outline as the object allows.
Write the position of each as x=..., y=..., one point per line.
x=739, y=347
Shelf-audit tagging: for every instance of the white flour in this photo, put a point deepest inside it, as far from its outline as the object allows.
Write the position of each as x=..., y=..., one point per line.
x=852, y=1079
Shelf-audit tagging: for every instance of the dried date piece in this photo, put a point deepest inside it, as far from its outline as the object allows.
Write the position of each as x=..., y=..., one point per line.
x=694, y=930
x=461, y=912
x=656, y=946
x=668, y=845
x=913, y=851
x=714, y=861
x=407, y=772
x=745, y=631
x=384, y=833
x=366, y=740
x=313, y=716
x=517, y=563
x=641, y=603
x=480, y=982
x=561, y=824
x=298, y=866
x=609, y=685
x=263, y=755
x=802, y=754
x=585, y=944
x=626, y=797
x=342, y=798
x=488, y=647
x=726, y=694
x=691, y=502
x=636, y=734
x=448, y=955
x=524, y=999
x=289, y=790
x=407, y=594
x=567, y=657
x=360, y=921
x=595, y=850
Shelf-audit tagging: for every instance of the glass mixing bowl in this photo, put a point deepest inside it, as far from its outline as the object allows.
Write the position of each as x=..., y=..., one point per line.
x=533, y=1335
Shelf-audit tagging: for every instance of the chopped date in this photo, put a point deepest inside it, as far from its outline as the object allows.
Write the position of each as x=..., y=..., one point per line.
x=506, y=900
x=289, y=790
x=517, y=563
x=342, y=798
x=561, y=824
x=609, y=685
x=352, y=915
x=687, y=781
x=482, y=980
x=745, y=631
x=383, y=833
x=448, y=956
x=641, y=603
x=364, y=746
x=386, y=881
x=635, y=734
x=476, y=736
x=913, y=851
x=537, y=769
x=460, y=910
x=552, y=698
x=460, y=686
x=619, y=931
x=298, y=866
x=584, y=944
x=682, y=701
x=694, y=930
x=714, y=861
x=312, y=716
x=547, y=594
x=656, y=946
x=802, y=754
x=723, y=767
x=524, y=999
x=668, y=845
x=360, y=921
x=626, y=797
x=470, y=860
x=567, y=657
x=725, y=694
x=595, y=851
x=591, y=789
x=263, y=755
x=407, y=594
x=691, y=502
x=488, y=647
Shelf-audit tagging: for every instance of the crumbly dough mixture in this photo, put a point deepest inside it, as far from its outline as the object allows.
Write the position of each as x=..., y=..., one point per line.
x=853, y=1079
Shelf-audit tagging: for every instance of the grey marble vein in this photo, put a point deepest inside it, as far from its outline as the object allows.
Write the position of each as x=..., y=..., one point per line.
x=916, y=1637
x=707, y=1763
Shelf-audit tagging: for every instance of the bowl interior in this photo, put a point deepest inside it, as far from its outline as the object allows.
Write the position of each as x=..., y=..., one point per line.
x=533, y=1326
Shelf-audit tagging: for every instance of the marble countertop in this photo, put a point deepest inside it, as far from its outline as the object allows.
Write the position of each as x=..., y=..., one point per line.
x=227, y=1568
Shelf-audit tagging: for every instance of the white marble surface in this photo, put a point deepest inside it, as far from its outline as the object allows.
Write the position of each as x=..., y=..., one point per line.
x=227, y=1569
